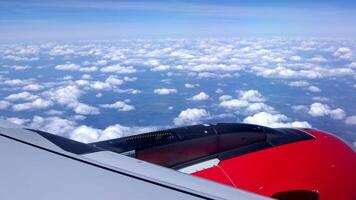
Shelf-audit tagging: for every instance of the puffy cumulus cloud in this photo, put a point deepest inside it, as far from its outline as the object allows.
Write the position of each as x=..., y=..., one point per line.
x=33, y=87
x=313, y=89
x=299, y=84
x=164, y=91
x=337, y=113
x=39, y=103
x=16, y=82
x=88, y=134
x=130, y=79
x=234, y=104
x=300, y=108
x=258, y=107
x=191, y=116
x=284, y=72
x=161, y=68
x=114, y=80
x=69, y=96
x=200, y=97
x=320, y=98
x=20, y=58
x=17, y=120
x=99, y=85
x=202, y=75
x=351, y=120
x=4, y=104
x=84, y=109
x=54, y=112
x=21, y=96
x=188, y=85
x=320, y=110
x=249, y=101
x=343, y=52
x=213, y=67
x=19, y=67
x=118, y=69
x=65, y=95
x=62, y=50
x=81, y=133
x=274, y=120
x=75, y=67
x=55, y=125
x=318, y=59
x=119, y=105
x=68, y=66
x=295, y=58
x=251, y=95
x=225, y=97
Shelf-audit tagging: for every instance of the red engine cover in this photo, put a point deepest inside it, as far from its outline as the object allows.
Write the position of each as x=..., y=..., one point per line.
x=325, y=165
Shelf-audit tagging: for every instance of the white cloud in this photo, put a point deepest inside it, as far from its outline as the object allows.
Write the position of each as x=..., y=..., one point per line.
x=188, y=85
x=88, y=134
x=313, y=89
x=320, y=110
x=18, y=67
x=39, y=103
x=251, y=95
x=165, y=91
x=118, y=69
x=234, y=104
x=161, y=68
x=33, y=87
x=249, y=102
x=225, y=97
x=54, y=112
x=53, y=125
x=84, y=109
x=343, y=52
x=300, y=108
x=318, y=59
x=295, y=58
x=16, y=82
x=298, y=84
x=119, y=105
x=274, y=120
x=257, y=107
x=191, y=116
x=20, y=58
x=98, y=85
x=113, y=80
x=320, y=99
x=130, y=79
x=17, y=120
x=200, y=97
x=82, y=133
x=68, y=67
x=21, y=96
x=4, y=104
x=337, y=113
x=351, y=120
x=61, y=51
x=69, y=96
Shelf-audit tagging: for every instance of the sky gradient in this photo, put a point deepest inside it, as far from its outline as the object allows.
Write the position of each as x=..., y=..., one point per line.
x=86, y=20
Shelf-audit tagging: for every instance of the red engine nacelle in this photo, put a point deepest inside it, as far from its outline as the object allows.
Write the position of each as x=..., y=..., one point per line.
x=322, y=168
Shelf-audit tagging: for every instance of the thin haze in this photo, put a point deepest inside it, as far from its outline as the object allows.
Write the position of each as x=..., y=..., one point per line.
x=73, y=20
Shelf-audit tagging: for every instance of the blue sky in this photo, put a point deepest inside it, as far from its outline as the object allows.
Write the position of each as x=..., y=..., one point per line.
x=73, y=20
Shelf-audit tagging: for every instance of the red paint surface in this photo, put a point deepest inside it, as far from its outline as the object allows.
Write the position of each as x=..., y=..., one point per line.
x=325, y=165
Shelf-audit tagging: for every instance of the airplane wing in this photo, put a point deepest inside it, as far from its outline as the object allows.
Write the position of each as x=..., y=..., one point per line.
x=32, y=166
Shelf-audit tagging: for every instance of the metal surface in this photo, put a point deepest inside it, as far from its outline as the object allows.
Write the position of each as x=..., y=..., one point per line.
x=33, y=168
